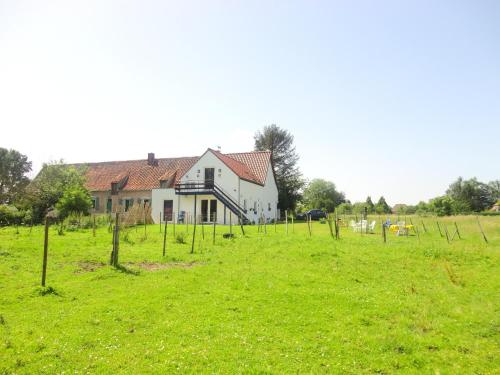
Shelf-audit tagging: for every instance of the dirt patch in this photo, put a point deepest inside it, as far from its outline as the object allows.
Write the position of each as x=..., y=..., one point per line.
x=89, y=266
x=163, y=266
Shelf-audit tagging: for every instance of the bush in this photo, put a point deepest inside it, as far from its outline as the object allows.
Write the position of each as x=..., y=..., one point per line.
x=10, y=215
x=180, y=237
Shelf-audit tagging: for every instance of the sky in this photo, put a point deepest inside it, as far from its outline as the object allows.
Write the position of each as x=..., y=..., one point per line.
x=394, y=98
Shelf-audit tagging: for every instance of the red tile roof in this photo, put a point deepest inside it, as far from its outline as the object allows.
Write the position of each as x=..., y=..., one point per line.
x=138, y=175
x=250, y=166
x=141, y=176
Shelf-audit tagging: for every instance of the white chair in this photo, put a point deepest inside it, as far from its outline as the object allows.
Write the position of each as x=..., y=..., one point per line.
x=402, y=230
x=372, y=226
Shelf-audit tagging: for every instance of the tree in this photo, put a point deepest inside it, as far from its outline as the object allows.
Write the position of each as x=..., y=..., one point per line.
x=344, y=208
x=495, y=189
x=322, y=194
x=284, y=159
x=75, y=200
x=13, y=180
x=49, y=186
x=470, y=195
x=369, y=205
x=382, y=207
x=442, y=206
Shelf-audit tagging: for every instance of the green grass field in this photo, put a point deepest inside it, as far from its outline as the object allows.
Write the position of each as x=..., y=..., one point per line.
x=263, y=303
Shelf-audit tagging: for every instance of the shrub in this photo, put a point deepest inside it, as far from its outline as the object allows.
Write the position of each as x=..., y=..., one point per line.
x=180, y=237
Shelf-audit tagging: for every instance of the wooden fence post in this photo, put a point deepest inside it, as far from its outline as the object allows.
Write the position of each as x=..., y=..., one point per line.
x=384, y=235
x=45, y=250
x=164, y=237
x=194, y=228
x=116, y=241
x=481, y=229
x=458, y=232
x=241, y=225
x=293, y=227
x=439, y=229
x=423, y=226
x=308, y=218
x=93, y=225
x=329, y=220
x=447, y=235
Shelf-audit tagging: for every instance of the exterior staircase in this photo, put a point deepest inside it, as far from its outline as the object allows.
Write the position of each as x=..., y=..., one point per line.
x=210, y=188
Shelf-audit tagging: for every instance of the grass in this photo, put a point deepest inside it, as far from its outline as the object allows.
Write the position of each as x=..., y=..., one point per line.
x=263, y=303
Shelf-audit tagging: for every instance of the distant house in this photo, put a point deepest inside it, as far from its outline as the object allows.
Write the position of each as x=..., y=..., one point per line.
x=496, y=207
x=237, y=185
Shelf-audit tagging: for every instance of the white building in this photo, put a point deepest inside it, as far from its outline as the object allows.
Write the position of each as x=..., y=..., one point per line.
x=223, y=187
x=220, y=187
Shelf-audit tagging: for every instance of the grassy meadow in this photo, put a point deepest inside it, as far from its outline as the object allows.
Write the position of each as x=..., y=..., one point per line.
x=259, y=303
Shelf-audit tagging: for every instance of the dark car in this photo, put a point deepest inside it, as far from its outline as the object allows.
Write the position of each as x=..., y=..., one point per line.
x=314, y=214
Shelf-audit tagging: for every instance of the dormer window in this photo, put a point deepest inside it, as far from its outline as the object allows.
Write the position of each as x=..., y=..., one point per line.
x=114, y=188
x=163, y=184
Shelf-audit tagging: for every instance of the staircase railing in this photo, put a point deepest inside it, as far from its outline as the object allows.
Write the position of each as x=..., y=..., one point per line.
x=209, y=187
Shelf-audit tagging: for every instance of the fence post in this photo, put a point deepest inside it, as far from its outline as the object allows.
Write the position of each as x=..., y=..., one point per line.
x=439, y=229
x=164, y=237
x=384, y=235
x=241, y=225
x=481, y=229
x=458, y=232
x=45, y=250
x=93, y=225
x=286, y=221
x=194, y=228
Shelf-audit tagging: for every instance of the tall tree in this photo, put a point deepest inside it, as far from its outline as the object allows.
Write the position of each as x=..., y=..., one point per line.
x=13, y=179
x=382, y=207
x=370, y=206
x=284, y=157
x=322, y=194
x=470, y=195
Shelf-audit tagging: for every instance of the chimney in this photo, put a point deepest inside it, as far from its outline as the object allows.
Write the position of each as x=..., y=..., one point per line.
x=151, y=158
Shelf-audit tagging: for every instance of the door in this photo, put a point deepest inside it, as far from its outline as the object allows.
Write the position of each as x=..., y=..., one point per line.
x=204, y=210
x=209, y=178
x=168, y=206
x=213, y=210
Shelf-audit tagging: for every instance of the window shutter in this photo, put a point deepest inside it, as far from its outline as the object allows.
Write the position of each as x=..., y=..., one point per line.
x=96, y=203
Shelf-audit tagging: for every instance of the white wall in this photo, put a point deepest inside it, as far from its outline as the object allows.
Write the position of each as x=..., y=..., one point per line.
x=231, y=184
x=260, y=196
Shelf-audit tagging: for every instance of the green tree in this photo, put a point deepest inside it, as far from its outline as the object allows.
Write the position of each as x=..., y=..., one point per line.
x=370, y=206
x=470, y=195
x=344, y=208
x=495, y=189
x=13, y=180
x=49, y=186
x=322, y=194
x=284, y=158
x=382, y=207
x=75, y=200
x=442, y=206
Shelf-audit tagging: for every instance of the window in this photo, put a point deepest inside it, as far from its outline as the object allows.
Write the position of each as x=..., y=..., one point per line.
x=109, y=205
x=94, y=202
x=163, y=184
